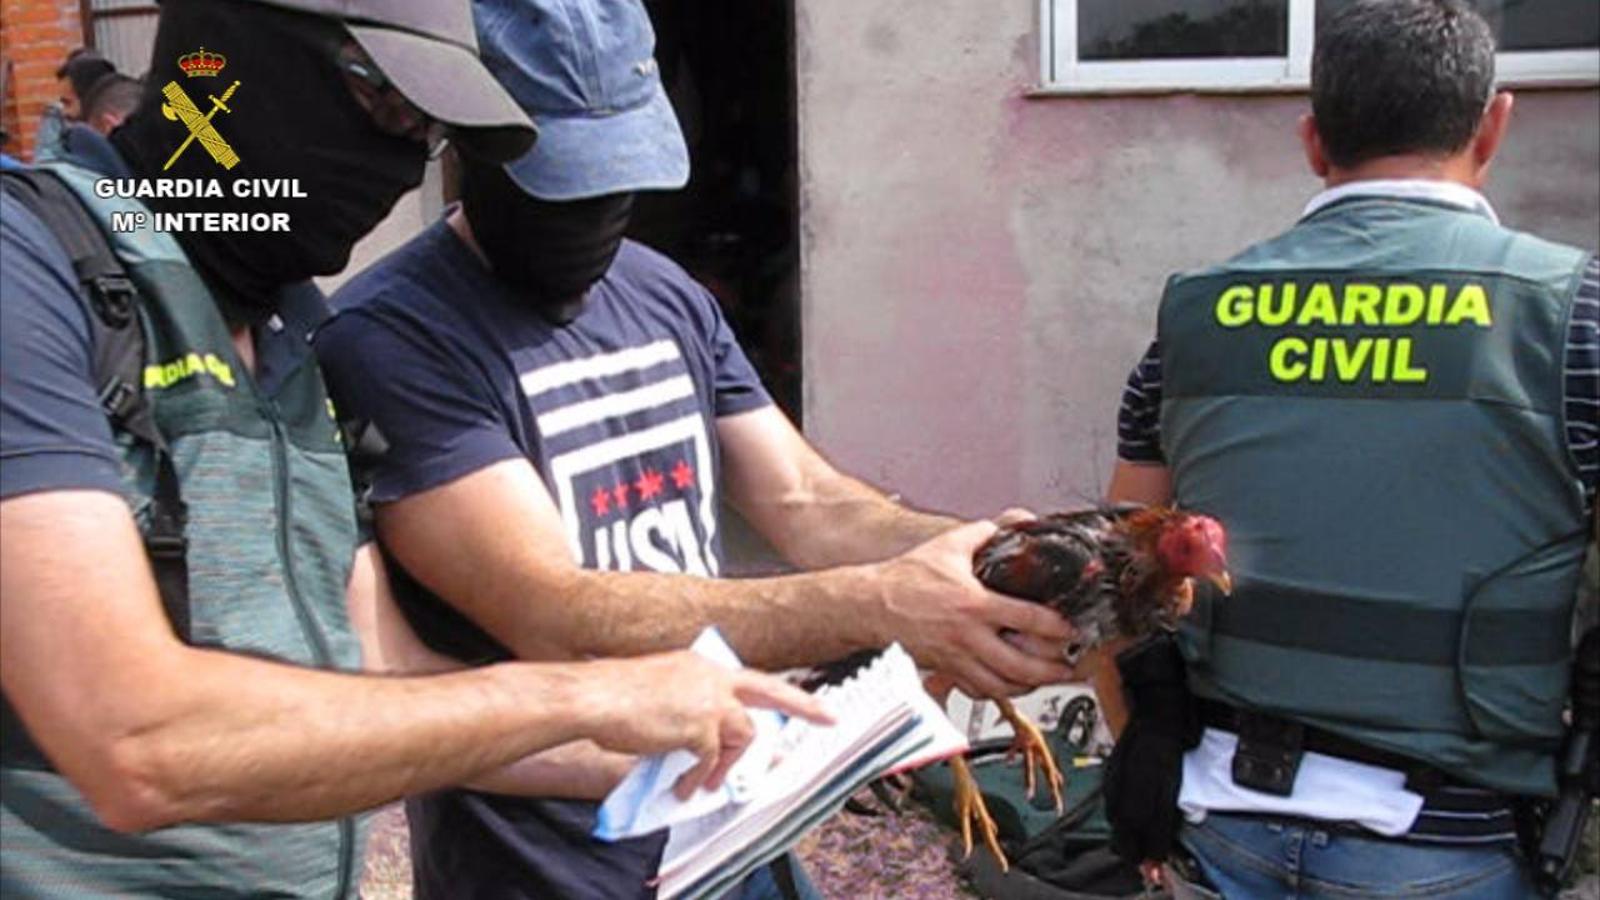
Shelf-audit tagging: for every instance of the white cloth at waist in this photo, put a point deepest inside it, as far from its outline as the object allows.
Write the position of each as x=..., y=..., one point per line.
x=1327, y=788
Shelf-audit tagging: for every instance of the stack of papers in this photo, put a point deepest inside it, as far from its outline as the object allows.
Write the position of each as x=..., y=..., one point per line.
x=792, y=778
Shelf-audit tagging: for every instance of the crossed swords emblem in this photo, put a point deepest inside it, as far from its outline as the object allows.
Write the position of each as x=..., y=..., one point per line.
x=179, y=106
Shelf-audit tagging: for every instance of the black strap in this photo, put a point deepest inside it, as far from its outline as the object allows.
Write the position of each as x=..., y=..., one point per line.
x=117, y=335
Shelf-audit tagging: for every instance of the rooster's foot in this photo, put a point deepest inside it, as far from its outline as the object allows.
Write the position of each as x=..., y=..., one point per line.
x=970, y=809
x=1035, y=750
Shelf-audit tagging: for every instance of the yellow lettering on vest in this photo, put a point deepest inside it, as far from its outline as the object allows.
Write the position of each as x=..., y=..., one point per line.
x=1472, y=305
x=219, y=370
x=1349, y=360
x=165, y=375
x=1234, y=307
x=1283, y=311
x=1436, y=297
x=1403, y=304
x=1380, y=360
x=1319, y=308
x=1282, y=368
x=1403, y=372
x=1319, y=360
x=1361, y=304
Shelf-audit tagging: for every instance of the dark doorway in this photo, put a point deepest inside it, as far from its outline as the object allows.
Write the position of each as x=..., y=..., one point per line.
x=729, y=68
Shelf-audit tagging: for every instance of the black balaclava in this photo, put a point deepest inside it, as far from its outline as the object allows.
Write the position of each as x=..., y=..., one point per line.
x=551, y=253
x=293, y=116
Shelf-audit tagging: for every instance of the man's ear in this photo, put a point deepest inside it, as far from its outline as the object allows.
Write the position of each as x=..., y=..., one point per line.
x=106, y=122
x=1491, y=131
x=1311, y=143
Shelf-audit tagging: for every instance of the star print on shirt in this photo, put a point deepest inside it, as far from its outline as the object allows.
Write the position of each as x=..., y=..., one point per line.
x=620, y=494
x=649, y=484
x=682, y=475
x=600, y=501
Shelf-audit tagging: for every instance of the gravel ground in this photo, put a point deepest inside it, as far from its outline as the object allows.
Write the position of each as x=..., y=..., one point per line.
x=900, y=857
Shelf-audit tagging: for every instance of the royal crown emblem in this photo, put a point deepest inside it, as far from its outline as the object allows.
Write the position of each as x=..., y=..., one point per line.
x=202, y=63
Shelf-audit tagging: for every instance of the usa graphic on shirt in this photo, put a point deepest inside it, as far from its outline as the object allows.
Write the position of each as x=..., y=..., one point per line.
x=628, y=455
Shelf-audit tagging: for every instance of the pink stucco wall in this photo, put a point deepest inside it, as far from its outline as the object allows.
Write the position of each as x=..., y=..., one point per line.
x=981, y=269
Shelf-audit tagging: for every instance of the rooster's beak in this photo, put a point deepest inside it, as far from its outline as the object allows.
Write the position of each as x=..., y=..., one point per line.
x=1223, y=581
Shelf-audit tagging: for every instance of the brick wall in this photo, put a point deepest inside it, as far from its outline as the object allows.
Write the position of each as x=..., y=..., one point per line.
x=35, y=36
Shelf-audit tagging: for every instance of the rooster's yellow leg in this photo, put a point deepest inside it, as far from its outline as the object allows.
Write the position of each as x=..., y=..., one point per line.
x=1035, y=750
x=970, y=808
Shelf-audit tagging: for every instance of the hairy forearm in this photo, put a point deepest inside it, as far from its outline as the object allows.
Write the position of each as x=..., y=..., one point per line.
x=814, y=514
x=220, y=737
x=493, y=545
x=773, y=623
x=837, y=520
x=581, y=770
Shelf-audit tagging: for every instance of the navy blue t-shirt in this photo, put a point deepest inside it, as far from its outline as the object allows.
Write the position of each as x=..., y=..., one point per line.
x=616, y=411
x=53, y=433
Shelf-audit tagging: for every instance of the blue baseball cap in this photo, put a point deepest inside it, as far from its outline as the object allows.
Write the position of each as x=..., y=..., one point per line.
x=585, y=72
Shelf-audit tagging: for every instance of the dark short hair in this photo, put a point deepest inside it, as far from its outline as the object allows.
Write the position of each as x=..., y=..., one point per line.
x=1400, y=76
x=115, y=93
x=84, y=68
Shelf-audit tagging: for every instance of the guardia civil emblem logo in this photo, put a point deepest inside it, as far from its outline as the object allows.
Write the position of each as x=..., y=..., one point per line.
x=179, y=108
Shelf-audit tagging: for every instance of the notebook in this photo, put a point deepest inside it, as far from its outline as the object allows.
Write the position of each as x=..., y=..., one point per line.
x=794, y=777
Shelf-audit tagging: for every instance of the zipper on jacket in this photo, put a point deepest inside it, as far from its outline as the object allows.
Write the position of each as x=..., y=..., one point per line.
x=320, y=652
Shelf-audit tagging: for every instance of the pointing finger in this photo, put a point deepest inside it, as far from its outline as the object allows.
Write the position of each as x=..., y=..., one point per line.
x=768, y=692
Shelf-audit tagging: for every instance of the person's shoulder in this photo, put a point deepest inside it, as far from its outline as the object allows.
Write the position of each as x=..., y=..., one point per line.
x=649, y=276
x=413, y=272
x=1266, y=248
x=23, y=231
x=652, y=282
x=1526, y=243
x=36, y=266
x=642, y=264
x=410, y=298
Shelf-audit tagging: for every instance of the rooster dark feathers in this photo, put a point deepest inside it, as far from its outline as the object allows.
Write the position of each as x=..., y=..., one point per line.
x=1120, y=571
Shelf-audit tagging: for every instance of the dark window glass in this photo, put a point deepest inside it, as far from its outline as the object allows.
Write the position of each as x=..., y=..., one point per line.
x=1182, y=29
x=1543, y=24
x=1529, y=24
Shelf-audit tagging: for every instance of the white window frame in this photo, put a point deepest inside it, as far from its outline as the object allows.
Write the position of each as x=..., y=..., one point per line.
x=1063, y=73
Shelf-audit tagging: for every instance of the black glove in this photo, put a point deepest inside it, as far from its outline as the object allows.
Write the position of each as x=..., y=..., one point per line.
x=1145, y=770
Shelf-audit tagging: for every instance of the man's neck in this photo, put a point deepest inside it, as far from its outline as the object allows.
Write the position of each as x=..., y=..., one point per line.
x=1458, y=169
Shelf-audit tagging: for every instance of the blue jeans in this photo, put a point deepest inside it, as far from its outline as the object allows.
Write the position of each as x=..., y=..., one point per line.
x=1250, y=858
x=761, y=886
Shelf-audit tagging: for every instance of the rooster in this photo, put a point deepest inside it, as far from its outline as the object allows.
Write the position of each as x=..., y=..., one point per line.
x=1116, y=574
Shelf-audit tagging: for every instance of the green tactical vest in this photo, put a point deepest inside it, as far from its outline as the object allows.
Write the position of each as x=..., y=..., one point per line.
x=1372, y=404
x=271, y=533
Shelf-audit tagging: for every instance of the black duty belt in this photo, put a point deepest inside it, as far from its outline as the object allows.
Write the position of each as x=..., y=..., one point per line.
x=1268, y=759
